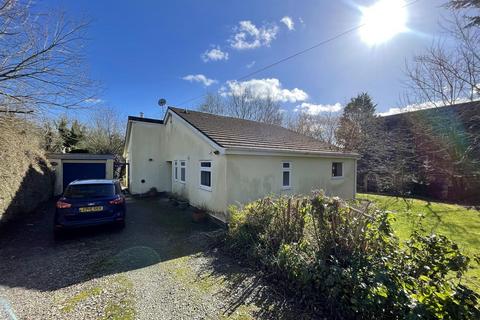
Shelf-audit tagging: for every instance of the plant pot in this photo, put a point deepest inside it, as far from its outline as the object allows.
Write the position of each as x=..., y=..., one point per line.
x=182, y=205
x=199, y=216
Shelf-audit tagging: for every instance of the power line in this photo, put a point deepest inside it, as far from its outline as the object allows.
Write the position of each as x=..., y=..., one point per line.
x=271, y=65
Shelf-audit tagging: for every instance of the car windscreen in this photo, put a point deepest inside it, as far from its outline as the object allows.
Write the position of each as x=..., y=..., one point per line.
x=82, y=191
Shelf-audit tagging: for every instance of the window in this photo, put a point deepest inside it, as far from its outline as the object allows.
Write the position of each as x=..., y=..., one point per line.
x=206, y=175
x=337, y=170
x=89, y=191
x=175, y=170
x=183, y=170
x=286, y=175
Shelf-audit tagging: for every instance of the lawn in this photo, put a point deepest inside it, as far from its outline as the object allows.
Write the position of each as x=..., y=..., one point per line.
x=459, y=223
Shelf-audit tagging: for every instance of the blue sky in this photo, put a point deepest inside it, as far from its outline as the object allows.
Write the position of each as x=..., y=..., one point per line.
x=141, y=50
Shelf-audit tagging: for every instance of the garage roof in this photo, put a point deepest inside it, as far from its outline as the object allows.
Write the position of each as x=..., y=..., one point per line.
x=80, y=156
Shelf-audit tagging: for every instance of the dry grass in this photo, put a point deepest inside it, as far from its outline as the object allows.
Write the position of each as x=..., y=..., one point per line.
x=25, y=176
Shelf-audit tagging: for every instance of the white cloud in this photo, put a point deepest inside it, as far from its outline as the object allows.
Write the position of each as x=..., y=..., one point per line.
x=314, y=109
x=249, y=36
x=265, y=88
x=288, y=22
x=200, y=78
x=93, y=100
x=251, y=64
x=214, y=54
x=417, y=106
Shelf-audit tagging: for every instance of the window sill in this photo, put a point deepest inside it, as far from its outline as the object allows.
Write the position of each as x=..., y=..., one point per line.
x=206, y=188
x=338, y=178
x=287, y=188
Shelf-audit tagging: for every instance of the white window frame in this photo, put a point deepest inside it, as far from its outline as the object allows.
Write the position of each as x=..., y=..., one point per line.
x=289, y=170
x=175, y=170
x=206, y=169
x=184, y=166
x=338, y=177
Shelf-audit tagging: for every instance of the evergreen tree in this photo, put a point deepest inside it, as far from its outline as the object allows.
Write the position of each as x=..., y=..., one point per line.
x=75, y=135
x=356, y=123
x=361, y=131
x=70, y=136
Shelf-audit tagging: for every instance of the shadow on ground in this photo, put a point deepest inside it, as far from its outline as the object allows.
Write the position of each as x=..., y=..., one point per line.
x=30, y=257
x=245, y=285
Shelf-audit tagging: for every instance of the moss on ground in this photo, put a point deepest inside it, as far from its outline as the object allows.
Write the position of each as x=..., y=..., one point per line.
x=184, y=273
x=243, y=312
x=205, y=284
x=124, y=309
x=72, y=302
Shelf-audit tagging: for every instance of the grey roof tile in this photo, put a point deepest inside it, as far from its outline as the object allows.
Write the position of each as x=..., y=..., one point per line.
x=229, y=132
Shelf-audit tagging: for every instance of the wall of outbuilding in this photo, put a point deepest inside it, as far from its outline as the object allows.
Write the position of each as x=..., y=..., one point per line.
x=250, y=177
x=58, y=169
x=146, y=163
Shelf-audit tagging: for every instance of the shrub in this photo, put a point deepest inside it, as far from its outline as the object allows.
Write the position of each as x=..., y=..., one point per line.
x=344, y=259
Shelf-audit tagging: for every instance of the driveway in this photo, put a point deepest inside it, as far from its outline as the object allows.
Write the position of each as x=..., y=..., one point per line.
x=161, y=266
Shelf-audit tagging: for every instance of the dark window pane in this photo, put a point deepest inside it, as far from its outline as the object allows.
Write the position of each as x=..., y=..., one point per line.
x=205, y=178
x=286, y=178
x=182, y=163
x=90, y=191
x=286, y=165
x=337, y=169
x=182, y=174
x=206, y=164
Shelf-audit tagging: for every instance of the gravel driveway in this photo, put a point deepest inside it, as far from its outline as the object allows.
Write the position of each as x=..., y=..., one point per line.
x=161, y=266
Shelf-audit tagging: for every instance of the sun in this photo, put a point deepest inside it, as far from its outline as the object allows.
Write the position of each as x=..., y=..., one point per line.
x=382, y=21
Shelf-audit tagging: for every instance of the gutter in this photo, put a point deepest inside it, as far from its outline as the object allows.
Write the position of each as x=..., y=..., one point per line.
x=284, y=152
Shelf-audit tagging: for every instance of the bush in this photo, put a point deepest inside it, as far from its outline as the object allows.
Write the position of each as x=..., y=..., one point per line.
x=344, y=259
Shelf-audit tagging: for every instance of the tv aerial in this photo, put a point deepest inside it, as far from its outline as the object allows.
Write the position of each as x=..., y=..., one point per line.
x=162, y=102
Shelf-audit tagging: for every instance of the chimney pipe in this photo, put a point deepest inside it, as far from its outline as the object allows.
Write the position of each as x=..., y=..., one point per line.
x=141, y=114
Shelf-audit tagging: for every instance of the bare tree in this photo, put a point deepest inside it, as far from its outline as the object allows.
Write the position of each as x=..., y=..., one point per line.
x=445, y=75
x=467, y=4
x=321, y=126
x=41, y=65
x=244, y=105
x=105, y=132
x=213, y=103
x=447, y=145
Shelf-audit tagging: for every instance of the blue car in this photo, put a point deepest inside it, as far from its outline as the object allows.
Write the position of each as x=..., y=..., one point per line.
x=90, y=203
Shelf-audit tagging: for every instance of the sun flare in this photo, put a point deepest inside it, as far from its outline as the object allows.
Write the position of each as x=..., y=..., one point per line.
x=382, y=21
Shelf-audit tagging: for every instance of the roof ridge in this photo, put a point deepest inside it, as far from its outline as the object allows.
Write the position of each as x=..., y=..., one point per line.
x=229, y=117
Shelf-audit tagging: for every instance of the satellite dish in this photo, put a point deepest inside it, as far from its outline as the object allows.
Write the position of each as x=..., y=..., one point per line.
x=162, y=102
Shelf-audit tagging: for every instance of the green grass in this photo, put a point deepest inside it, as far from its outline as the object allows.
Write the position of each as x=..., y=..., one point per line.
x=124, y=308
x=80, y=297
x=458, y=223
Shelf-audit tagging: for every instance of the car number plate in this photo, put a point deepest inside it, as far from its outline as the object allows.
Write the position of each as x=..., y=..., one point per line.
x=91, y=209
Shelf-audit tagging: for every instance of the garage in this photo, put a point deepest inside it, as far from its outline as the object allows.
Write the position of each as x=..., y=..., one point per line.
x=69, y=167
